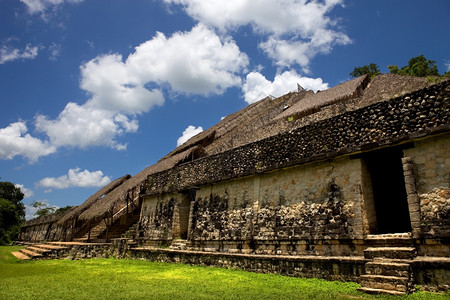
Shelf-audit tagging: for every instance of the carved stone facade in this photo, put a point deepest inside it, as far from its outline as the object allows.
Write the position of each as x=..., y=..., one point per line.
x=347, y=186
x=318, y=190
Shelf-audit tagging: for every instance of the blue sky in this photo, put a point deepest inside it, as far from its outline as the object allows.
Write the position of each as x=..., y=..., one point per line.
x=92, y=90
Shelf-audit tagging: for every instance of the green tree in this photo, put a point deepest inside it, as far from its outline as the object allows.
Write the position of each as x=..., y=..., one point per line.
x=42, y=208
x=12, y=212
x=65, y=208
x=371, y=69
x=393, y=69
x=417, y=66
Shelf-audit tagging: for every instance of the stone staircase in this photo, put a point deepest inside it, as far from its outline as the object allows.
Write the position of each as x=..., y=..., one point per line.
x=118, y=228
x=389, y=269
x=39, y=251
x=178, y=244
x=65, y=250
x=131, y=232
x=96, y=231
x=99, y=234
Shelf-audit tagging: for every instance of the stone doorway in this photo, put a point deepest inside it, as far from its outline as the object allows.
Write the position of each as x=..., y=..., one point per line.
x=389, y=192
x=184, y=212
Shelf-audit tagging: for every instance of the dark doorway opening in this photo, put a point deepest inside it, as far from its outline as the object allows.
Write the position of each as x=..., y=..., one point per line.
x=389, y=193
x=184, y=210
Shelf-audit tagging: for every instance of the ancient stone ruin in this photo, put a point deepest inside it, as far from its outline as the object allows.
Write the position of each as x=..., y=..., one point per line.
x=351, y=183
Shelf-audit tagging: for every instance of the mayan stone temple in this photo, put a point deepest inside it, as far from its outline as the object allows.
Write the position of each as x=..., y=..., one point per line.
x=351, y=183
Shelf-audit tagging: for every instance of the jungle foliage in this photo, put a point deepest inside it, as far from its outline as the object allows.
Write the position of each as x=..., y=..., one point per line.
x=12, y=212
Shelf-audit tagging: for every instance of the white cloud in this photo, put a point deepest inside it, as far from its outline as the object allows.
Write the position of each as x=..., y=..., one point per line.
x=54, y=51
x=27, y=192
x=40, y=6
x=14, y=141
x=84, y=126
x=30, y=212
x=257, y=87
x=447, y=66
x=196, y=62
x=189, y=62
x=8, y=54
x=115, y=88
x=75, y=178
x=286, y=53
x=300, y=26
x=189, y=132
x=270, y=16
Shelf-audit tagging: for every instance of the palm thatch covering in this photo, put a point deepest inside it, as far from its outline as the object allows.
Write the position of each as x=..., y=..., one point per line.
x=51, y=218
x=132, y=188
x=104, y=191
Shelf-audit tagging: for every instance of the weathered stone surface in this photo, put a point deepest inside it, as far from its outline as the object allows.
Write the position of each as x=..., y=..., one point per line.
x=332, y=268
x=380, y=124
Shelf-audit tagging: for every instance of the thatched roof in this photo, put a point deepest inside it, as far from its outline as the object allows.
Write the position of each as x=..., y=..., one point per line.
x=104, y=191
x=102, y=206
x=386, y=86
x=311, y=102
x=48, y=219
x=348, y=96
x=238, y=128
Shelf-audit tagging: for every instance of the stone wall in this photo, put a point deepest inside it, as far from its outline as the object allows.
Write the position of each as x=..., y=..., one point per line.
x=343, y=268
x=305, y=210
x=75, y=251
x=312, y=209
x=431, y=162
x=397, y=120
x=43, y=231
x=300, y=193
x=430, y=274
x=156, y=220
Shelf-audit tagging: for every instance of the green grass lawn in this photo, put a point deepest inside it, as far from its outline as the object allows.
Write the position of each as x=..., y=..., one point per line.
x=134, y=279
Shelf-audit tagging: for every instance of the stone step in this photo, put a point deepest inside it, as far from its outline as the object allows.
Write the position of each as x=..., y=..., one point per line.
x=51, y=247
x=21, y=255
x=37, y=249
x=392, y=283
x=390, y=240
x=390, y=252
x=380, y=291
x=96, y=240
x=81, y=240
x=387, y=268
x=178, y=245
x=30, y=253
x=95, y=231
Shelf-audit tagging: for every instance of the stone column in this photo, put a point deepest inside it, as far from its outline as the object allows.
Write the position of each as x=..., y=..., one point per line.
x=176, y=221
x=191, y=214
x=358, y=225
x=412, y=196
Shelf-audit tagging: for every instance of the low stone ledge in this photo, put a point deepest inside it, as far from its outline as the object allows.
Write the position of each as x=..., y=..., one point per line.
x=76, y=250
x=330, y=268
x=432, y=273
x=257, y=256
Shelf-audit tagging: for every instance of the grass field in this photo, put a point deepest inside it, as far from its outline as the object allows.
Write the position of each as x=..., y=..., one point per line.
x=134, y=279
